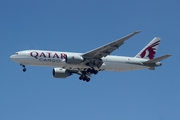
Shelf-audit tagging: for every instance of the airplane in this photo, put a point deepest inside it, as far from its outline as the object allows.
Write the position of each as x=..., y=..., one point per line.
x=85, y=64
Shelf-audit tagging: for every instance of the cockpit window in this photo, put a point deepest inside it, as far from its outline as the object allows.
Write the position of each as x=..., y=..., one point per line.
x=15, y=53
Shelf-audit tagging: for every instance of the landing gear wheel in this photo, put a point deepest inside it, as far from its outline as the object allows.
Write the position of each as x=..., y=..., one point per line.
x=24, y=70
x=80, y=78
x=88, y=79
x=84, y=78
x=92, y=71
x=95, y=72
x=89, y=70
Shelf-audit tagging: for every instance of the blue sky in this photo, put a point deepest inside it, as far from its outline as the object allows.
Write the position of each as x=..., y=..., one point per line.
x=80, y=26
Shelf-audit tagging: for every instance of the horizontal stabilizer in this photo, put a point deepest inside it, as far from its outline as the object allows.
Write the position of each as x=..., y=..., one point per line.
x=158, y=59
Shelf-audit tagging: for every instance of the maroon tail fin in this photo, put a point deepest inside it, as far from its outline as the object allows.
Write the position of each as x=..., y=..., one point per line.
x=149, y=51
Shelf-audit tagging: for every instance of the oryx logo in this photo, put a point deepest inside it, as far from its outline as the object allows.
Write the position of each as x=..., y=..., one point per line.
x=150, y=51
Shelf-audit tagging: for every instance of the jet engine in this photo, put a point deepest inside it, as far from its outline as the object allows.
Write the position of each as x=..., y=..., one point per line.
x=60, y=73
x=74, y=59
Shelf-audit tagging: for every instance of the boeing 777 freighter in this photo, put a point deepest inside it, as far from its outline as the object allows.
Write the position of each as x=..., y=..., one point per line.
x=91, y=62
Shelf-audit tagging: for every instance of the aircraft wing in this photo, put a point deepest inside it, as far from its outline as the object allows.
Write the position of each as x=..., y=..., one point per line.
x=107, y=49
x=94, y=56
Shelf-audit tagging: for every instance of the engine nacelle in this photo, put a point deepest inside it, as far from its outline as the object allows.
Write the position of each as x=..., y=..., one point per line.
x=74, y=59
x=60, y=73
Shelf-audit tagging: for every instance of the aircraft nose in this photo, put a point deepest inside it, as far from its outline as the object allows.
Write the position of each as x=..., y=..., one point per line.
x=14, y=58
x=11, y=57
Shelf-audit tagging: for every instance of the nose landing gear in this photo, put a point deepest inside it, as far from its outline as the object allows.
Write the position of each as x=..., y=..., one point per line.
x=24, y=67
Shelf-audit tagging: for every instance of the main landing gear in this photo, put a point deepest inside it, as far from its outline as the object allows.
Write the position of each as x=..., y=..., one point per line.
x=84, y=74
x=84, y=78
x=24, y=67
x=92, y=71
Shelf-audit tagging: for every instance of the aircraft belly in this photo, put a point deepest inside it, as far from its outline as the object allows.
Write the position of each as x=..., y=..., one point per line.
x=118, y=66
x=75, y=67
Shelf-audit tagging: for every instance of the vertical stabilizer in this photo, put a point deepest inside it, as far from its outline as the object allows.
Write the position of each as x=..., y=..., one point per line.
x=149, y=51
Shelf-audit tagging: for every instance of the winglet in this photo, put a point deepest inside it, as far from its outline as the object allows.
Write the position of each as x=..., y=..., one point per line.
x=138, y=31
x=129, y=36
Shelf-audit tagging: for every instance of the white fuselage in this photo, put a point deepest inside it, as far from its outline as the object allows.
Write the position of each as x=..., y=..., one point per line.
x=56, y=59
